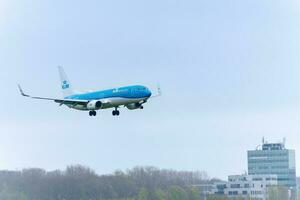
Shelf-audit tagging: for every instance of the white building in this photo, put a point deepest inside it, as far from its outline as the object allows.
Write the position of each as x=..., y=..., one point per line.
x=254, y=186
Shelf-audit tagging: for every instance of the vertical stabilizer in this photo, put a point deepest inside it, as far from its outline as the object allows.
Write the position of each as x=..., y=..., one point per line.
x=65, y=83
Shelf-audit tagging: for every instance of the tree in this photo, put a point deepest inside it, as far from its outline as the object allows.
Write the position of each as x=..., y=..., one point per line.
x=277, y=193
x=177, y=193
x=143, y=194
x=161, y=195
x=194, y=194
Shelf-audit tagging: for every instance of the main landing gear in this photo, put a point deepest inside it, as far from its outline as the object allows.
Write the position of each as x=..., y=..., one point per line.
x=93, y=113
x=116, y=112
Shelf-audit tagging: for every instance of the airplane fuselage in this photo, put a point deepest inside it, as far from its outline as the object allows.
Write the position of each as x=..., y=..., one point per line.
x=130, y=96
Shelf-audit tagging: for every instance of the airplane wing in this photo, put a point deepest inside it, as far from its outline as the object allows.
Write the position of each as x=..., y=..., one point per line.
x=60, y=101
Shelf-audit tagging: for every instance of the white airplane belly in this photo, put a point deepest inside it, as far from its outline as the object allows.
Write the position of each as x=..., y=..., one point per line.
x=118, y=101
x=78, y=107
x=110, y=103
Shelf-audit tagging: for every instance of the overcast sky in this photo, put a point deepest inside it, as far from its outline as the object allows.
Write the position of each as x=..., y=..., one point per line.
x=229, y=71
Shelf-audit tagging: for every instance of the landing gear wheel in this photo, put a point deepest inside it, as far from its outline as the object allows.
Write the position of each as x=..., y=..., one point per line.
x=142, y=107
x=92, y=113
x=115, y=113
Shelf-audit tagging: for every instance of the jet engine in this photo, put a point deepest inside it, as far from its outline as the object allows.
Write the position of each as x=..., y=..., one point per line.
x=133, y=106
x=94, y=105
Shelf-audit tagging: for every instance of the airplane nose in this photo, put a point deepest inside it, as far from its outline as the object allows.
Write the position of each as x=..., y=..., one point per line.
x=149, y=93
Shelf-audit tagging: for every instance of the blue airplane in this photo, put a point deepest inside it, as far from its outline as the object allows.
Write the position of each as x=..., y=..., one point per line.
x=132, y=97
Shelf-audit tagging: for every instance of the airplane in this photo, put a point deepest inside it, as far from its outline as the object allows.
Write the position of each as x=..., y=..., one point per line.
x=132, y=97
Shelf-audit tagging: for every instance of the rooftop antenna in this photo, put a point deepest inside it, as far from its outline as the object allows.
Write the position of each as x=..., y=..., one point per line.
x=263, y=140
x=284, y=140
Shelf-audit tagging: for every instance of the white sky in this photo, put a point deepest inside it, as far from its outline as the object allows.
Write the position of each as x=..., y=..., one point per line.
x=229, y=71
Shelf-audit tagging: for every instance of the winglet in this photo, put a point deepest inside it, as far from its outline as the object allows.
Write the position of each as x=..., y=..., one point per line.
x=21, y=91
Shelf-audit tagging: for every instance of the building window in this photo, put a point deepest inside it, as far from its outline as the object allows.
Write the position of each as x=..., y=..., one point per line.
x=231, y=193
x=235, y=185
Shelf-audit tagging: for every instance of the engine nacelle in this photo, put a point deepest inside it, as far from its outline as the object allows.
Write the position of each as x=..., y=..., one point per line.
x=94, y=105
x=134, y=106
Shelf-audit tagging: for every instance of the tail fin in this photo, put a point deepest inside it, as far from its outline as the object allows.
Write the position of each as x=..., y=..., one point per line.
x=64, y=82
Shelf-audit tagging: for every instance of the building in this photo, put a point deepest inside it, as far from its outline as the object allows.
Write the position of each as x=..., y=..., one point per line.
x=253, y=186
x=298, y=187
x=274, y=159
x=204, y=189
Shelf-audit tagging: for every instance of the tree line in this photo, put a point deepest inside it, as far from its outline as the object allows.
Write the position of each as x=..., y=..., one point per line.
x=82, y=183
